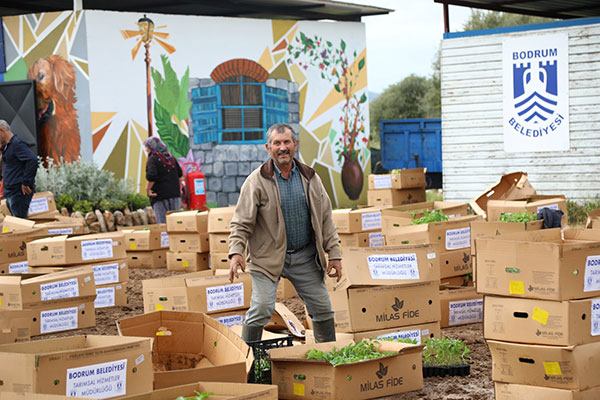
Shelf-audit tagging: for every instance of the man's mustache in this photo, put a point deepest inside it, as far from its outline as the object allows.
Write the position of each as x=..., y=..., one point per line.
x=280, y=152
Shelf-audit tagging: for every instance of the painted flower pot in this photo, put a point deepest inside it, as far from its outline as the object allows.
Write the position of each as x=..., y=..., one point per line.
x=352, y=178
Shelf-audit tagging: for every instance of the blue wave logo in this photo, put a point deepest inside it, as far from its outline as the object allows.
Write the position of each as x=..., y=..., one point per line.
x=535, y=90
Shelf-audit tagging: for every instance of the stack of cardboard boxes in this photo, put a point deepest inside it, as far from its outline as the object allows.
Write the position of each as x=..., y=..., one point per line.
x=147, y=247
x=188, y=241
x=359, y=228
x=218, y=232
x=404, y=187
x=541, y=312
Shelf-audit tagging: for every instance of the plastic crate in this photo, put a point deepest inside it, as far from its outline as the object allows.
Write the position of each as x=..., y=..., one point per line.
x=261, y=368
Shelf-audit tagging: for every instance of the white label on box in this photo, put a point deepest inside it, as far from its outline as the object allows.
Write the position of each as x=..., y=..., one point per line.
x=18, y=267
x=382, y=181
x=139, y=360
x=94, y=249
x=465, y=311
x=458, y=238
x=224, y=296
x=39, y=205
x=595, y=317
x=62, y=319
x=371, y=221
x=591, y=281
x=414, y=334
x=550, y=206
x=231, y=320
x=431, y=256
x=376, y=239
x=425, y=332
x=105, y=297
x=60, y=231
x=59, y=289
x=393, y=266
x=98, y=381
x=106, y=273
x=164, y=239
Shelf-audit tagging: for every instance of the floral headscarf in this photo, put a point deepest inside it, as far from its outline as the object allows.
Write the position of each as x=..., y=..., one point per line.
x=156, y=146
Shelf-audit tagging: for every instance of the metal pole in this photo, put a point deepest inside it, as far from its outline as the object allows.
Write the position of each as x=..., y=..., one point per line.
x=446, y=18
x=148, y=88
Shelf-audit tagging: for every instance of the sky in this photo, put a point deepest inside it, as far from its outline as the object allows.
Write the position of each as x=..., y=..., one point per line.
x=405, y=41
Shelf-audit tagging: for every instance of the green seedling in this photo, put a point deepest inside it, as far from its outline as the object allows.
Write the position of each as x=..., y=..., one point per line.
x=525, y=216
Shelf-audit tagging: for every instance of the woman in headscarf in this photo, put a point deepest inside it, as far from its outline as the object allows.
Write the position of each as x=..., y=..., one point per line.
x=163, y=175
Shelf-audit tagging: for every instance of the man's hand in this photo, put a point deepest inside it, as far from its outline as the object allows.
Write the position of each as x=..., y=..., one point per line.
x=26, y=190
x=337, y=266
x=151, y=193
x=236, y=261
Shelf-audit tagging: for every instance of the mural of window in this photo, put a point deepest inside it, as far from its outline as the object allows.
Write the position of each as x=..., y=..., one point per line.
x=240, y=107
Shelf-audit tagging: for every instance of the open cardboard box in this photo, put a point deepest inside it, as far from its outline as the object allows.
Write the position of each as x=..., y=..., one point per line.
x=549, y=322
x=80, y=366
x=532, y=203
x=460, y=306
x=402, y=215
x=593, y=219
x=190, y=347
x=299, y=378
x=561, y=367
x=511, y=186
x=512, y=391
x=417, y=332
x=490, y=229
x=403, y=179
x=540, y=264
x=221, y=390
x=84, y=249
x=187, y=221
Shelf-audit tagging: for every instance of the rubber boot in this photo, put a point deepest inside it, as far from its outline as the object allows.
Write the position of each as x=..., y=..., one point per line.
x=324, y=331
x=251, y=333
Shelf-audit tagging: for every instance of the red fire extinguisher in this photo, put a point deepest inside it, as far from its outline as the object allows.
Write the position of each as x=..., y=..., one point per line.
x=196, y=187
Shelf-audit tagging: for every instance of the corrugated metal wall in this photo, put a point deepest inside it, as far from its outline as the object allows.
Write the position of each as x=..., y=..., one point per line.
x=472, y=136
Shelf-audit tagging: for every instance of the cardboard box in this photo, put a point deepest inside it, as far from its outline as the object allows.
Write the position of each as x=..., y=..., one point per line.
x=85, y=249
x=230, y=318
x=190, y=347
x=455, y=263
x=296, y=377
x=540, y=264
x=15, y=326
x=221, y=390
x=395, y=197
x=460, y=306
x=490, y=229
x=593, y=219
x=285, y=289
x=17, y=293
x=381, y=307
x=65, y=365
x=187, y=221
x=190, y=262
x=542, y=321
x=458, y=281
x=219, y=219
x=219, y=242
x=402, y=215
x=152, y=259
x=36, y=396
x=14, y=245
x=111, y=295
x=110, y=272
x=62, y=316
x=361, y=220
x=511, y=186
x=533, y=204
x=197, y=291
x=153, y=238
x=511, y=391
x=189, y=242
x=219, y=261
x=562, y=367
x=61, y=226
x=284, y=319
x=396, y=265
x=50, y=216
x=417, y=332
x=41, y=203
x=404, y=179
x=367, y=239
x=23, y=269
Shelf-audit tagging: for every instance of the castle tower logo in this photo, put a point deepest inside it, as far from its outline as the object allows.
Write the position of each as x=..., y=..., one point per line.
x=536, y=97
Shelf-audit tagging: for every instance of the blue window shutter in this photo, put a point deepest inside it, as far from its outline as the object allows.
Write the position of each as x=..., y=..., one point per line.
x=276, y=106
x=205, y=114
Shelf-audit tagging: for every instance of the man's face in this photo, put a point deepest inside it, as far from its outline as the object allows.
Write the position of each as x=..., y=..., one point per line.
x=3, y=136
x=282, y=147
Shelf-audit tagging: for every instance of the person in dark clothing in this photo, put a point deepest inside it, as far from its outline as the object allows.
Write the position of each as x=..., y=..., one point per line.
x=19, y=169
x=163, y=175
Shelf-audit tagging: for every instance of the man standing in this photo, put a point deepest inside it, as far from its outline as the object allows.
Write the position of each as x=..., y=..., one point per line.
x=284, y=215
x=19, y=169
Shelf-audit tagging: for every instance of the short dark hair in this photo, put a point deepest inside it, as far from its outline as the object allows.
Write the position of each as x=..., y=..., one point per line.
x=280, y=128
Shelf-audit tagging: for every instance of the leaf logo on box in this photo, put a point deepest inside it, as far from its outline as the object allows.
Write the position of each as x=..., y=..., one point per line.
x=397, y=306
x=23, y=246
x=466, y=257
x=530, y=288
x=382, y=371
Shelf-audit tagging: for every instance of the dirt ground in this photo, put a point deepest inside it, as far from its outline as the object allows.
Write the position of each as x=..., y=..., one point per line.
x=477, y=386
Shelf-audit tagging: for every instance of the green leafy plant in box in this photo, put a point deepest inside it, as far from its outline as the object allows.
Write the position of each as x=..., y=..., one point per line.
x=360, y=351
x=525, y=216
x=445, y=356
x=429, y=216
x=199, y=396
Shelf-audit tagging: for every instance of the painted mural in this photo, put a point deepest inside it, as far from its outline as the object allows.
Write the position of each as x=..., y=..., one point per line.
x=51, y=48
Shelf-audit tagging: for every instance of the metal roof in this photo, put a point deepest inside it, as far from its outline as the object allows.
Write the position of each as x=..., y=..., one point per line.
x=268, y=9
x=560, y=9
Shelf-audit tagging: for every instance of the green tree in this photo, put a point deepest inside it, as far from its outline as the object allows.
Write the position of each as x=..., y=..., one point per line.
x=493, y=19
